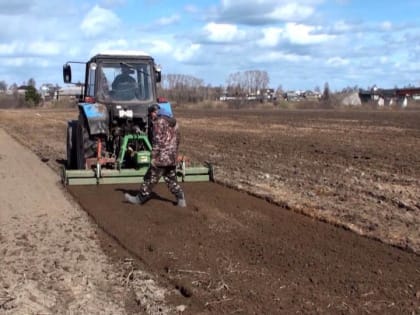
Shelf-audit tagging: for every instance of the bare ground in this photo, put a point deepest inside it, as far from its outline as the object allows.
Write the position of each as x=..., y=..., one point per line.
x=357, y=169
x=230, y=252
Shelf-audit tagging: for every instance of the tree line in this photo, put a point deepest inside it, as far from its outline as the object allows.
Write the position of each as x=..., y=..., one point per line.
x=181, y=88
x=31, y=97
x=186, y=88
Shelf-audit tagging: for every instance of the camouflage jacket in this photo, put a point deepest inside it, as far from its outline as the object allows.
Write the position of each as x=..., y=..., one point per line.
x=165, y=141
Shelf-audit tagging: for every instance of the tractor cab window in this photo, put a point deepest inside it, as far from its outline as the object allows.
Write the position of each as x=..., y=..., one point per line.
x=128, y=82
x=90, y=91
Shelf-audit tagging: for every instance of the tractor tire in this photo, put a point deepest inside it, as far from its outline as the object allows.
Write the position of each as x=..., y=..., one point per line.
x=71, y=144
x=80, y=152
x=86, y=147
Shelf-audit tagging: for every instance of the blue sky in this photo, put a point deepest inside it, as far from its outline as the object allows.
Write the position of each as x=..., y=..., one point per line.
x=301, y=44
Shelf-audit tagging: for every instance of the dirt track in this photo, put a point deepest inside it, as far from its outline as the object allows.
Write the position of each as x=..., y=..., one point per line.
x=237, y=253
x=50, y=254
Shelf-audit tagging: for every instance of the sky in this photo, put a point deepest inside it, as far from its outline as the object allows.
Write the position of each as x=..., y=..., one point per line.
x=301, y=44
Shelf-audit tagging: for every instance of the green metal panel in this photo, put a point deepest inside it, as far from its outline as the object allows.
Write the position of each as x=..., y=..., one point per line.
x=143, y=158
x=81, y=181
x=128, y=176
x=195, y=178
x=126, y=139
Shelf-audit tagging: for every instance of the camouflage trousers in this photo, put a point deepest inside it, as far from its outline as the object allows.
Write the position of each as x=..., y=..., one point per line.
x=153, y=175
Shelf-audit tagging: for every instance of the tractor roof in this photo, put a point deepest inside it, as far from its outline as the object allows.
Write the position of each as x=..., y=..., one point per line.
x=122, y=54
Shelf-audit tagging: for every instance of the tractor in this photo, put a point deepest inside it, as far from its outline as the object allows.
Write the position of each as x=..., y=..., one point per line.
x=110, y=142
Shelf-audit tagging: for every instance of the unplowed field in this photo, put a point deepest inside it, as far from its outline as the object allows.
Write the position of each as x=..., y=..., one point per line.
x=311, y=212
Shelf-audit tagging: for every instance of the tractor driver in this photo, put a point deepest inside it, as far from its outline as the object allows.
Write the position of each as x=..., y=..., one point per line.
x=123, y=77
x=124, y=84
x=165, y=142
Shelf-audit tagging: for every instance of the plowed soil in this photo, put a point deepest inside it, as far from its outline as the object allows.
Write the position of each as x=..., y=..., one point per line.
x=311, y=211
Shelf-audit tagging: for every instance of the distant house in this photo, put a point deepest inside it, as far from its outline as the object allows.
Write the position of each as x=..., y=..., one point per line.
x=312, y=95
x=260, y=95
x=68, y=92
x=292, y=96
x=351, y=99
x=47, y=91
x=413, y=92
x=295, y=96
x=389, y=96
x=21, y=90
x=267, y=94
x=365, y=95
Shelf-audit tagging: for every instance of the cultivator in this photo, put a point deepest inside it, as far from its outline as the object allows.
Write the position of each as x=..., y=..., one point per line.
x=109, y=142
x=97, y=175
x=97, y=169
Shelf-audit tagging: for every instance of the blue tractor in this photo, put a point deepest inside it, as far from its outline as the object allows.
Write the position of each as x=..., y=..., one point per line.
x=110, y=143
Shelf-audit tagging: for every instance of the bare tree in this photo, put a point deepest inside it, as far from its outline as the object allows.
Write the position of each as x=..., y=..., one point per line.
x=13, y=87
x=31, y=82
x=279, y=92
x=326, y=93
x=3, y=86
x=183, y=88
x=248, y=82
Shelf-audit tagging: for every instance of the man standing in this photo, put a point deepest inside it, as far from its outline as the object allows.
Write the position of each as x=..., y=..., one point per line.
x=165, y=142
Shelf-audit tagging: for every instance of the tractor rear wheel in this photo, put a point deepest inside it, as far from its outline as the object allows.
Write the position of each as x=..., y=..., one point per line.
x=86, y=147
x=71, y=144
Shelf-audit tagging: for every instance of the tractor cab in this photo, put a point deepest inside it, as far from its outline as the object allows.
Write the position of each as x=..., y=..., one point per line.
x=127, y=79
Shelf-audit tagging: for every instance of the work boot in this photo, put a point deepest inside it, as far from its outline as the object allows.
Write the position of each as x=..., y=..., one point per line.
x=137, y=199
x=181, y=200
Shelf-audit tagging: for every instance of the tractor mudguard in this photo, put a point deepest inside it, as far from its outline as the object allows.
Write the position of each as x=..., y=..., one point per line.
x=165, y=109
x=97, y=118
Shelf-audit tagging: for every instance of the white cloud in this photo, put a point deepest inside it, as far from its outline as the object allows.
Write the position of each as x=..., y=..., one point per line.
x=191, y=8
x=98, y=20
x=15, y=62
x=383, y=60
x=120, y=44
x=341, y=27
x=9, y=48
x=337, y=61
x=160, y=47
x=259, y=12
x=15, y=7
x=44, y=48
x=113, y=3
x=413, y=67
x=223, y=33
x=343, y=2
x=304, y=34
x=168, y=20
x=386, y=26
x=271, y=36
x=185, y=54
x=298, y=34
x=24, y=61
x=291, y=12
x=281, y=56
x=28, y=48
